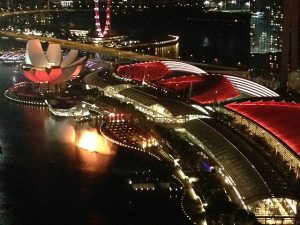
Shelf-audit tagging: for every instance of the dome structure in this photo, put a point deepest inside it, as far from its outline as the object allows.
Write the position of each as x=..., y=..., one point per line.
x=50, y=67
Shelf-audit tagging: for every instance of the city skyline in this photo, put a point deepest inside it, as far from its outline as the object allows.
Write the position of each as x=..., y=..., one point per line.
x=142, y=113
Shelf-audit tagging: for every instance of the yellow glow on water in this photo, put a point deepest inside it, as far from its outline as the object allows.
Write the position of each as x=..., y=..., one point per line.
x=90, y=140
x=69, y=134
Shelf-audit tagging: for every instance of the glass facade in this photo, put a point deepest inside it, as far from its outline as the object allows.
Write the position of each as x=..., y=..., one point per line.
x=266, y=39
x=227, y=5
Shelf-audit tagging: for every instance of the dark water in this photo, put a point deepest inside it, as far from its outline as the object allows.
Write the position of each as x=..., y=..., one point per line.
x=213, y=38
x=45, y=180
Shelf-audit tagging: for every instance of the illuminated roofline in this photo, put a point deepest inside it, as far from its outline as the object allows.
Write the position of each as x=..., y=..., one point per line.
x=180, y=66
x=251, y=87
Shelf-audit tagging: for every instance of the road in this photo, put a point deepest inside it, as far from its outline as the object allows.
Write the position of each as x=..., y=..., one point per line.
x=72, y=44
x=84, y=47
x=14, y=13
x=103, y=50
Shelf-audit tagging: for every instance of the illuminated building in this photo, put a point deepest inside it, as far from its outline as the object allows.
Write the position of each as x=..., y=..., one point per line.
x=67, y=3
x=156, y=109
x=279, y=131
x=261, y=189
x=12, y=57
x=67, y=109
x=190, y=82
x=275, y=42
x=291, y=43
x=50, y=67
x=226, y=5
x=266, y=39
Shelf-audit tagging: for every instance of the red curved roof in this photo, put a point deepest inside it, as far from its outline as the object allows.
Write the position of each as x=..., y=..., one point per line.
x=280, y=118
x=52, y=75
x=148, y=71
x=214, y=88
x=205, y=88
x=179, y=83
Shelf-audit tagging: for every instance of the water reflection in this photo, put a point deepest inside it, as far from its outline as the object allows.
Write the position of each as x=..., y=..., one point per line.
x=93, y=161
x=45, y=179
x=91, y=141
x=171, y=51
x=202, y=40
x=62, y=131
x=89, y=150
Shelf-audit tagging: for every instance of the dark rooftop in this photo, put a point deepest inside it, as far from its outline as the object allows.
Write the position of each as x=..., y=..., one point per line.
x=254, y=176
x=176, y=108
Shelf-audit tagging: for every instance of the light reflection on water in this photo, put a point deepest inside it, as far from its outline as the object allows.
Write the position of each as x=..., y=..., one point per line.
x=171, y=51
x=45, y=179
x=40, y=166
x=62, y=131
x=94, y=162
x=97, y=159
x=91, y=140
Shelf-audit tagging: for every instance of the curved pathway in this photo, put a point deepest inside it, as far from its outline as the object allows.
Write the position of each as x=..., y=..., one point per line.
x=128, y=135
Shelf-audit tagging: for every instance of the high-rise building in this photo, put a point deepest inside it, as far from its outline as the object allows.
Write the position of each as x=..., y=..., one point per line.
x=227, y=5
x=266, y=39
x=275, y=41
x=291, y=41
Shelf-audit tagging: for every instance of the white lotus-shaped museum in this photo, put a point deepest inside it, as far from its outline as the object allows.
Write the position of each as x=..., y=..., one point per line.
x=50, y=67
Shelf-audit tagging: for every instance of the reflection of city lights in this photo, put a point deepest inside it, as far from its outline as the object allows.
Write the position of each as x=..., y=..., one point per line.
x=90, y=140
x=69, y=134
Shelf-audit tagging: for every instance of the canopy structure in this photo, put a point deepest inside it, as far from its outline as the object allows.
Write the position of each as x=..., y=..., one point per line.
x=250, y=172
x=280, y=118
x=193, y=82
x=182, y=78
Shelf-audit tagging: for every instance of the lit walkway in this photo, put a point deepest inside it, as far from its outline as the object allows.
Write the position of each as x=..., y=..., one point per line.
x=127, y=134
x=245, y=177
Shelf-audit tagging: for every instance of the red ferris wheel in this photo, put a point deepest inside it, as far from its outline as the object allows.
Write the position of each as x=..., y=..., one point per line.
x=100, y=32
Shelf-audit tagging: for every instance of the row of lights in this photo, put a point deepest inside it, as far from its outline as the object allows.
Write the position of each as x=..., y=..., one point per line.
x=87, y=118
x=126, y=145
x=37, y=103
x=142, y=150
x=144, y=189
x=182, y=201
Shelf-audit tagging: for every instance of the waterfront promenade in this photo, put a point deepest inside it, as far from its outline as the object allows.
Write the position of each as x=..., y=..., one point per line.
x=127, y=134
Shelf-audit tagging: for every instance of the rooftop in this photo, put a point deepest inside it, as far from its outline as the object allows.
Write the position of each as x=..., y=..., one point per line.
x=174, y=107
x=247, y=179
x=280, y=118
